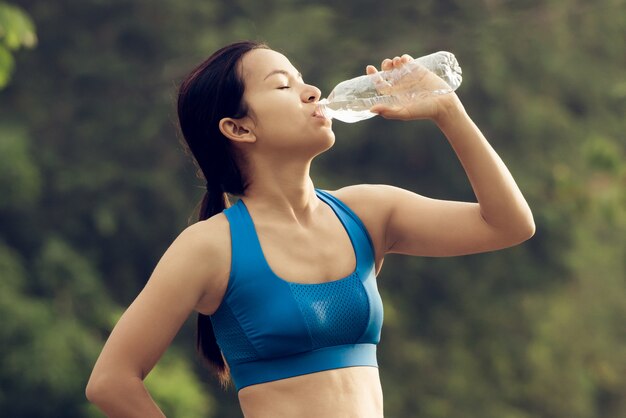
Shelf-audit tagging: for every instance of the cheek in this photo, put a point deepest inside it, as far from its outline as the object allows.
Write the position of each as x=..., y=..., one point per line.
x=272, y=117
x=270, y=110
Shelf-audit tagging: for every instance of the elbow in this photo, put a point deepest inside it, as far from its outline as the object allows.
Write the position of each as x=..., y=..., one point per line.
x=515, y=233
x=522, y=226
x=524, y=231
x=528, y=226
x=94, y=389
x=99, y=388
x=531, y=229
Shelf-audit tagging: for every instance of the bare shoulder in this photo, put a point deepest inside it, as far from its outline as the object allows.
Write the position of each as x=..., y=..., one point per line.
x=200, y=256
x=370, y=202
x=363, y=194
x=376, y=201
x=189, y=276
x=212, y=234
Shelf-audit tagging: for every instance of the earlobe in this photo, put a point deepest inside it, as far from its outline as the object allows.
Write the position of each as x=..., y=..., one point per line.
x=236, y=130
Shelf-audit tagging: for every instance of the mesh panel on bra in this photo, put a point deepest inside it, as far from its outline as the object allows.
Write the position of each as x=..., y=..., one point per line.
x=231, y=337
x=336, y=312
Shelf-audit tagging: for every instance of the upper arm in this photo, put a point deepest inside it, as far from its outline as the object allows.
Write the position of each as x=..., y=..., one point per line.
x=416, y=225
x=419, y=225
x=192, y=271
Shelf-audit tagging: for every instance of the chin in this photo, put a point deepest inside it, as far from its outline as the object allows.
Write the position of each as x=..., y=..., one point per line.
x=329, y=141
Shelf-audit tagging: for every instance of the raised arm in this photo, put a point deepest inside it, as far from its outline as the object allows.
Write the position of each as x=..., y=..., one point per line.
x=405, y=222
x=191, y=275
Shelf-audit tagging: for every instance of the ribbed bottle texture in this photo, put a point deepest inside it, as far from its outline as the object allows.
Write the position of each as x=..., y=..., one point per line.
x=351, y=100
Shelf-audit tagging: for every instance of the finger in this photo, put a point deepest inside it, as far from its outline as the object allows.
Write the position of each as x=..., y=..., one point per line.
x=370, y=69
x=406, y=58
x=397, y=61
x=381, y=85
x=387, y=64
x=390, y=112
x=379, y=109
x=387, y=112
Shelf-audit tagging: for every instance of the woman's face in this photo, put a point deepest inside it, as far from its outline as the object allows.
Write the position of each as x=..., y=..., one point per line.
x=281, y=106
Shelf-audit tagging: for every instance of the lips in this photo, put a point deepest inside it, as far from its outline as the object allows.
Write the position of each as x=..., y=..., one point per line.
x=319, y=113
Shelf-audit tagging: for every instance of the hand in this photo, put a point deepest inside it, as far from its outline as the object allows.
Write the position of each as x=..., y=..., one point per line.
x=423, y=105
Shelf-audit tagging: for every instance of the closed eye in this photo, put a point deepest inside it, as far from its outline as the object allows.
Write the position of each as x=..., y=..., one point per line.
x=283, y=87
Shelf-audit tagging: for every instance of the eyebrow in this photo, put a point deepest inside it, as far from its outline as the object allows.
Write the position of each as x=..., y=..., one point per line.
x=286, y=73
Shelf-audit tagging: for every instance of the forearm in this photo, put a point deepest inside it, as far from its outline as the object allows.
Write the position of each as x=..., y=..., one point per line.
x=124, y=398
x=502, y=204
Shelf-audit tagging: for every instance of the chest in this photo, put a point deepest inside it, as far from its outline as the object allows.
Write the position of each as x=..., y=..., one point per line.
x=266, y=317
x=293, y=290
x=308, y=256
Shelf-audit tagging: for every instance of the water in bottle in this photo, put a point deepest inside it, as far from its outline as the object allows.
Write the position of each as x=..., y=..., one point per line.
x=351, y=100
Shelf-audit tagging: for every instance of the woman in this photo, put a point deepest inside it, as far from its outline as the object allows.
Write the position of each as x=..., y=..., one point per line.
x=284, y=281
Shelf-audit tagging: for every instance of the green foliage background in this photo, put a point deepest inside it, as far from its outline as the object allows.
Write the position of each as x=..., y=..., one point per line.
x=94, y=186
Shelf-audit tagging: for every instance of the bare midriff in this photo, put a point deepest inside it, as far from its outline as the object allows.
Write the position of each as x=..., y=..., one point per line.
x=348, y=392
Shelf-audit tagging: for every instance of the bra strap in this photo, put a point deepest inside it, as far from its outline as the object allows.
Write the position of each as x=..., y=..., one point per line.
x=356, y=229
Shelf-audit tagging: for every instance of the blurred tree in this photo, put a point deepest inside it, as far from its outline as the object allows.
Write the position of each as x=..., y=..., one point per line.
x=93, y=187
x=54, y=160
x=16, y=30
x=45, y=347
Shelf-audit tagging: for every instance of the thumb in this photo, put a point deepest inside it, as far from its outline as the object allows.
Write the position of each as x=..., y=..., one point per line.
x=390, y=112
x=380, y=109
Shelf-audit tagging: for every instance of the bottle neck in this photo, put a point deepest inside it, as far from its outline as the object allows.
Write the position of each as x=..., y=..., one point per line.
x=323, y=109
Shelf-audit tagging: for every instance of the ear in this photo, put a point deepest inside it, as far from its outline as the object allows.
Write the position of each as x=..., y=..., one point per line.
x=238, y=130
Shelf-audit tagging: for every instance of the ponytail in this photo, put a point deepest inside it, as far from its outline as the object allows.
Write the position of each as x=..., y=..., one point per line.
x=213, y=202
x=212, y=91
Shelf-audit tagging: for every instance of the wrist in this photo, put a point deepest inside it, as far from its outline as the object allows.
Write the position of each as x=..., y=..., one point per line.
x=449, y=111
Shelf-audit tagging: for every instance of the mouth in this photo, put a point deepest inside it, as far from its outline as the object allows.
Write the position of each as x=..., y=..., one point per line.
x=319, y=113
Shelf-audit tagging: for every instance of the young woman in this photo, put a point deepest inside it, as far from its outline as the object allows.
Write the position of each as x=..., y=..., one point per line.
x=284, y=281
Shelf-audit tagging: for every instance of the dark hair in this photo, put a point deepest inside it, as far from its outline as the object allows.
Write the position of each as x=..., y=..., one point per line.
x=212, y=91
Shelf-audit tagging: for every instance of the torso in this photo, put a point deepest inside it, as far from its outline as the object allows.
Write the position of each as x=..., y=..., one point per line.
x=347, y=392
x=341, y=393
x=294, y=253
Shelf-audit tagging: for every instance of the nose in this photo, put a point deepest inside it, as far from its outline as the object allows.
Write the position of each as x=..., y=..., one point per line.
x=311, y=94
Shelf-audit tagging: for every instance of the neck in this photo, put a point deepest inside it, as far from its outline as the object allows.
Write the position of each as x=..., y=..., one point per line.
x=286, y=190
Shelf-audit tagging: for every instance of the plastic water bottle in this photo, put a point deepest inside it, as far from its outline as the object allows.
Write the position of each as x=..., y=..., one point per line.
x=351, y=100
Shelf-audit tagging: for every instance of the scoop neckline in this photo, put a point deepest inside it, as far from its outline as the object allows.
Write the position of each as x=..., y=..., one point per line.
x=291, y=283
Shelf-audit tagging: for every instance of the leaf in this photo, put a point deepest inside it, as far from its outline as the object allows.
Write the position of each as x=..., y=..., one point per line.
x=16, y=28
x=6, y=66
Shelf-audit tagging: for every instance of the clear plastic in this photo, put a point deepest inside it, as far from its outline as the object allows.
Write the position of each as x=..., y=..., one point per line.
x=351, y=100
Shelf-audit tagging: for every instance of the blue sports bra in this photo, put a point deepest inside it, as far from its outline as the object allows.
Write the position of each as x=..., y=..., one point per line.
x=270, y=329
